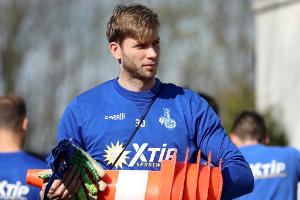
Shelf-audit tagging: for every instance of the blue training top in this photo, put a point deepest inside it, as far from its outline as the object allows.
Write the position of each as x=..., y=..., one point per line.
x=13, y=170
x=276, y=171
x=102, y=119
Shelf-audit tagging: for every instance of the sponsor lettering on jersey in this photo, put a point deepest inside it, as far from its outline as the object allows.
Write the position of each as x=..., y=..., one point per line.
x=119, y=116
x=268, y=170
x=113, y=151
x=166, y=119
x=143, y=155
x=15, y=191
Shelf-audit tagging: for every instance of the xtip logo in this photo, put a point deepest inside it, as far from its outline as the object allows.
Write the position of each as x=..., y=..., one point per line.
x=268, y=170
x=13, y=191
x=144, y=156
x=113, y=151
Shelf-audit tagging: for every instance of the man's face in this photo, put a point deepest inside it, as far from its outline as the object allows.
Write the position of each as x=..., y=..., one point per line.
x=139, y=60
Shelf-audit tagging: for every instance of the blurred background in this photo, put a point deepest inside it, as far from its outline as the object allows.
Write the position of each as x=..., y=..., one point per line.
x=242, y=53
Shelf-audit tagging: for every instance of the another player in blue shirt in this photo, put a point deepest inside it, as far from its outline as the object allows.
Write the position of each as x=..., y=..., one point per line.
x=102, y=120
x=276, y=170
x=13, y=161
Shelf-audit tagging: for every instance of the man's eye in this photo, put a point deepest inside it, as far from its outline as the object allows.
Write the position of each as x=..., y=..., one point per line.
x=141, y=45
x=156, y=44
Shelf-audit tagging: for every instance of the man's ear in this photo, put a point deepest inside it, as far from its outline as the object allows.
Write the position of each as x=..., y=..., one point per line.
x=115, y=50
x=24, y=124
x=266, y=141
x=234, y=138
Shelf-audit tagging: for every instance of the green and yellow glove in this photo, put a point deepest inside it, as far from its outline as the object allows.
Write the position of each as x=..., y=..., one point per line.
x=67, y=155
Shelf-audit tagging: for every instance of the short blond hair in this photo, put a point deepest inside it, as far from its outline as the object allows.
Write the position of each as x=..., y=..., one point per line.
x=133, y=21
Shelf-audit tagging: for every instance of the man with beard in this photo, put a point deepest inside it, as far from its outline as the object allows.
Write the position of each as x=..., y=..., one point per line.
x=135, y=121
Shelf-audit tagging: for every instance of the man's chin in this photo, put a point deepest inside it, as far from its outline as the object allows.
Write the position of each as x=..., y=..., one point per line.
x=147, y=77
x=151, y=75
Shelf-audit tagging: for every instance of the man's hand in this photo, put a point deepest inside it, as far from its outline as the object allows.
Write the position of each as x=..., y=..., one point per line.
x=65, y=188
x=75, y=172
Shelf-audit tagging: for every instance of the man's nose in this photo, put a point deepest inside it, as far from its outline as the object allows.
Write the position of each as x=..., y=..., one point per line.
x=152, y=52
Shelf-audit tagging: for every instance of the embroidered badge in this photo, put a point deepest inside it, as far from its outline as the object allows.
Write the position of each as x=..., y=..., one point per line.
x=166, y=120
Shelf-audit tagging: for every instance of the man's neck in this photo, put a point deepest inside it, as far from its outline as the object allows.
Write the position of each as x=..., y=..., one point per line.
x=9, y=142
x=247, y=143
x=136, y=85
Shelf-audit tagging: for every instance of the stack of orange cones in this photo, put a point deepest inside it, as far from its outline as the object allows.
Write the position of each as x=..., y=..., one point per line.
x=174, y=181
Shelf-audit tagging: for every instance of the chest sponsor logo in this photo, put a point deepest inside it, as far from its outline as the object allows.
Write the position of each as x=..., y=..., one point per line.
x=268, y=170
x=119, y=116
x=16, y=191
x=143, y=155
x=166, y=119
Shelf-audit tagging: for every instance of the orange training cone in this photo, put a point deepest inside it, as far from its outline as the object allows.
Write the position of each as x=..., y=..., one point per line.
x=174, y=181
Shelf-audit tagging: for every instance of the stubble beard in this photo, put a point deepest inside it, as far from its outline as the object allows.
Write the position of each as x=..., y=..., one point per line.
x=137, y=72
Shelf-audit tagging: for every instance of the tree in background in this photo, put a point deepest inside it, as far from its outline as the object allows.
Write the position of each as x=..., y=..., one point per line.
x=10, y=57
x=275, y=130
x=241, y=97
